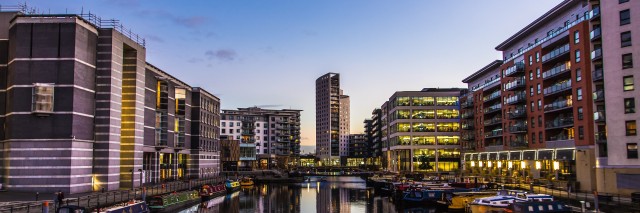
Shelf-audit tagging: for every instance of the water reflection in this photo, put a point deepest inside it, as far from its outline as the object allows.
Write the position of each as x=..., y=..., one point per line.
x=334, y=194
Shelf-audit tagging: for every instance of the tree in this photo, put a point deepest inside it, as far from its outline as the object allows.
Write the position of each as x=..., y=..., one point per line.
x=424, y=162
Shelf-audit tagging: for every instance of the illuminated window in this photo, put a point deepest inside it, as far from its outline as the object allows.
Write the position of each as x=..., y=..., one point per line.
x=627, y=83
x=423, y=140
x=447, y=113
x=448, y=140
x=423, y=127
x=447, y=101
x=42, y=98
x=402, y=101
x=448, y=127
x=423, y=101
x=423, y=114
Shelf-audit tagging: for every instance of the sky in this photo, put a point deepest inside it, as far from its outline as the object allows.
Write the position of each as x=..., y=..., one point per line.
x=269, y=52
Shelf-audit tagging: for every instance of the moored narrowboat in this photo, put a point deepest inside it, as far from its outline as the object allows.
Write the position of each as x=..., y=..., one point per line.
x=173, y=201
x=232, y=185
x=209, y=191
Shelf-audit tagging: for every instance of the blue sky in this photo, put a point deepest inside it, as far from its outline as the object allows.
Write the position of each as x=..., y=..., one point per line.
x=269, y=52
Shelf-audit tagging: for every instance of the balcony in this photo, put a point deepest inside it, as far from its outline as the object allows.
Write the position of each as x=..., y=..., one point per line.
x=559, y=123
x=595, y=34
x=601, y=137
x=519, y=112
x=519, y=127
x=467, y=115
x=467, y=126
x=493, y=134
x=248, y=132
x=559, y=137
x=515, y=70
x=468, y=148
x=599, y=117
x=598, y=96
x=595, y=14
x=596, y=54
x=517, y=98
x=466, y=104
x=516, y=84
x=468, y=137
x=555, y=53
x=558, y=105
x=597, y=75
x=519, y=142
x=563, y=68
x=493, y=109
x=558, y=87
x=492, y=96
x=493, y=121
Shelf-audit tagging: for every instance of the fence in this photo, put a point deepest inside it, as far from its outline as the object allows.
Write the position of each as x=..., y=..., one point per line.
x=105, y=199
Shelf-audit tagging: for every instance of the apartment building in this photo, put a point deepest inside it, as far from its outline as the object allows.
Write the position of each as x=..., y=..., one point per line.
x=205, y=134
x=105, y=117
x=614, y=48
x=529, y=116
x=332, y=120
x=268, y=138
x=357, y=150
x=423, y=130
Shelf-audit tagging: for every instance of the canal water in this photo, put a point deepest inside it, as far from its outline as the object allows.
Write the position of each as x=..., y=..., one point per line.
x=336, y=194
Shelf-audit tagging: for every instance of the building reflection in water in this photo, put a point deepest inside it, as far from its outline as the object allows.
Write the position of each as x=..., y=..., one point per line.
x=337, y=194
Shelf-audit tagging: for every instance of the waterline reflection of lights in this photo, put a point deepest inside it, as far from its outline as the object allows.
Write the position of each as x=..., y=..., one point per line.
x=318, y=187
x=308, y=186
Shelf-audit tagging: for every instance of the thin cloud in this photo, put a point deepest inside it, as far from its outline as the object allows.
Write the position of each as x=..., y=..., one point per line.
x=154, y=38
x=193, y=22
x=221, y=54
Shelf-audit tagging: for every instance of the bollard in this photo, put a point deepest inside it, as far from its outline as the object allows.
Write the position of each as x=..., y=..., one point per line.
x=45, y=207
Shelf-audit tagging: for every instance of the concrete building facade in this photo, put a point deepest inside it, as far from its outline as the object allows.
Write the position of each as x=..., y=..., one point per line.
x=94, y=99
x=332, y=120
x=268, y=138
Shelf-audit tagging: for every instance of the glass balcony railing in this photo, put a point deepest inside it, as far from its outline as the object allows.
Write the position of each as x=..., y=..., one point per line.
x=558, y=105
x=595, y=34
x=467, y=126
x=493, y=121
x=493, y=108
x=466, y=104
x=555, y=53
x=519, y=112
x=560, y=137
x=596, y=54
x=473, y=89
x=517, y=83
x=594, y=13
x=517, y=98
x=468, y=137
x=597, y=75
x=467, y=115
x=559, y=122
x=517, y=68
x=598, y=95
x=557, y=70
x=493, y=133
x=519, y=142
x=558, y=87
x=519, y=127
x=599, y=116
x=492, y=96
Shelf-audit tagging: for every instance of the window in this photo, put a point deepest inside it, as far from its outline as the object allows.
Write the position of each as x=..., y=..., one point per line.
x=622, y=1
x=533, y=106
x=580, y=132
x=627, y=83
x=42, y=98
x=539, y=104
x=577, y=56
x=237, y=130
x=530, y=60
x=531, y=91
x=580, y=113
x=224, y=131
x=578, y=74
x=537, y=56
x=530, y=75
x=540, y=138
x=630, y=127
x=576, y=37
x=579, y=94
x=538, y=72
x=632, y=150
x=629, y=105
x=539, y=88
x=625, y=39
x=539, y=121
x=230, y=124
x=533, y=137
x=533, y=122
x=625, y=17
x=224, y=124
x=627, y=61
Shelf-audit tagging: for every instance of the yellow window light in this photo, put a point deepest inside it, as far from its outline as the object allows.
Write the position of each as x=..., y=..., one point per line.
x=510, y=165
x=538, y=165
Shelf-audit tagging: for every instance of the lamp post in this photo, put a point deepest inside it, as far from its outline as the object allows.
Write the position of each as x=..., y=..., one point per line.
x=132, y=176
x=140, y=170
